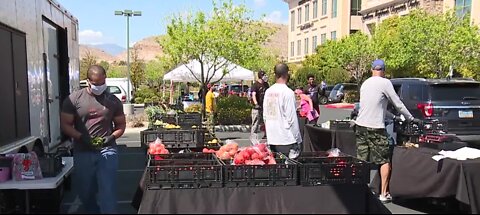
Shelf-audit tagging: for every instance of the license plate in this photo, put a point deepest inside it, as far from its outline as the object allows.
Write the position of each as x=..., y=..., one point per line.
x=465, y=114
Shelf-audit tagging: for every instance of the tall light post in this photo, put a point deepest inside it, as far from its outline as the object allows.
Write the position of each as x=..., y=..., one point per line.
x=128, y=14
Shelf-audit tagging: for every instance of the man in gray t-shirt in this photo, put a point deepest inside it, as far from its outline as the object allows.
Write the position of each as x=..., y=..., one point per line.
x=372, y=142
x=94, y=118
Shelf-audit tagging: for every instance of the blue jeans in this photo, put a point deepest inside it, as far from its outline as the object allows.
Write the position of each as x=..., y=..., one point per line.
x=97, y=172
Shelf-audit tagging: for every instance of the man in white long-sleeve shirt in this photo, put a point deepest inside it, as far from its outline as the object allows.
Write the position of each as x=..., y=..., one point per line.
x=372, y=143
x=280, y=114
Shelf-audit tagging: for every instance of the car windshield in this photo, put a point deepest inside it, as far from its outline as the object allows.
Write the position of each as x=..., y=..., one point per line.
x=448, y=92
x=238, y=88
x=338, y=86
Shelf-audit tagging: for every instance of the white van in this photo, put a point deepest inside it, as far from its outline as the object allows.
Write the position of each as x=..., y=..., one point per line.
x=123, y=83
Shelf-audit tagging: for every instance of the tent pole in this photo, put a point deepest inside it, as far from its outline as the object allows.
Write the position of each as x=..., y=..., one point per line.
x=163, y=90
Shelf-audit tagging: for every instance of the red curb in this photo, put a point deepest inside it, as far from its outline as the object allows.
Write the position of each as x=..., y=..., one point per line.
x=341, y=106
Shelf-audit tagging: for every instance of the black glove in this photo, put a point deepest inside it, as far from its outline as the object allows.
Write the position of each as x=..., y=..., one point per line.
x=107, y=141
x=416, y=121
x=257, y=107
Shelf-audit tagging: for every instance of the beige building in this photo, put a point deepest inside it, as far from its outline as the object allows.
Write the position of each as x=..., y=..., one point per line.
x=375, y=11
x=313, y=22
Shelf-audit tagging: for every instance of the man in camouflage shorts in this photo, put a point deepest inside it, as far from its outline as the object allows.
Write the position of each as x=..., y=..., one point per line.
x=372, y=142
x=372, y=145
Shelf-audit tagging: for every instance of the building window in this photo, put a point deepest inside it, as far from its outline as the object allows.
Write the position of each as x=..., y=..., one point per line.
x=299, y=47
x=306, y=46
x=307, y=12
x=463, y=7
x=292, y=49
x=323, y=39
x=315, y=9
x=292, y=21
x=333, y=35
x=299, y=16
x=324, y=7
x=355, y=7
x=334, y=8
x=353, y=31
x=314, y=43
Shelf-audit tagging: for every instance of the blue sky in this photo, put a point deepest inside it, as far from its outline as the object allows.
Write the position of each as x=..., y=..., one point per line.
x=98, y=24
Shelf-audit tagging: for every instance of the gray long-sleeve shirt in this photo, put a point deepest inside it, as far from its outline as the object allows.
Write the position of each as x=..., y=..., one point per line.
x=375, y=94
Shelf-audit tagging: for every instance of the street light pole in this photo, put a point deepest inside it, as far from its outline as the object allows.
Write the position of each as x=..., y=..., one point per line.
x=128, y=60
x=128, y=14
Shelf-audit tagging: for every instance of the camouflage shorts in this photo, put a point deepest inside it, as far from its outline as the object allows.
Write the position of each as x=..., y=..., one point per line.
x=372, y=145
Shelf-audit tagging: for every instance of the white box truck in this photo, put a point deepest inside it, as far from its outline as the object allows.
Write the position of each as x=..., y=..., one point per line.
x=39, y=62
x=39, y=66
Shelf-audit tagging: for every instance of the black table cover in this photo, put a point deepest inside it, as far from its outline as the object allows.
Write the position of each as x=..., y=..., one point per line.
x=416, y=175
x=279, y=200
x=322, y=139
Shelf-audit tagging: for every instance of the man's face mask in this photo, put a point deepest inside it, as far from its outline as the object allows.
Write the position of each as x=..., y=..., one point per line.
x=265, y=78
x=98, y=90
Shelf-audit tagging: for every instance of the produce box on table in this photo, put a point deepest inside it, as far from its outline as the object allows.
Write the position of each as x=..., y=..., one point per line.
x=256, y=166
x=318, y=168
x=184, y=171
x=175, y=137
x=189, y=119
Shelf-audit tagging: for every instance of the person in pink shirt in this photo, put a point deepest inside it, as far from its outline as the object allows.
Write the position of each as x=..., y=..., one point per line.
x=306, y=107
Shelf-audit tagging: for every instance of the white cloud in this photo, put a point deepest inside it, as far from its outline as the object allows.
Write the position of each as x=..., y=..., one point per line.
x=259, y=3
x=275, y=17
x=93, y=37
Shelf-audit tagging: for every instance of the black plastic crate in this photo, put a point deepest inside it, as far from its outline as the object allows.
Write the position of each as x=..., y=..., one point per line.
x=50, y=165
x=167, y=118
x=184, y=171
x=284, y=173
x=318, y=169
x=189, y=119
x=174, y=138
x=340, y=125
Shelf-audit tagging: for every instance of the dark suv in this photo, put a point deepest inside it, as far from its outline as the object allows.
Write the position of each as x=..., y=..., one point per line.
x=451, y=104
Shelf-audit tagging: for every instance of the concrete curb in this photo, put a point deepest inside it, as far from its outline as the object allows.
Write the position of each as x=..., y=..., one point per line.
x=232, y=128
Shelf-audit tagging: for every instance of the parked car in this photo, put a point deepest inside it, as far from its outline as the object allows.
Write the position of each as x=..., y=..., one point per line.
x=338, y=92
x=119, y=92
x=323, y=98
x=451, y=105
x=237, y=89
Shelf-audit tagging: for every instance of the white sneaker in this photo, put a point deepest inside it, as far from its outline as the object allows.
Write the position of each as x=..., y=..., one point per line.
x=385, y=199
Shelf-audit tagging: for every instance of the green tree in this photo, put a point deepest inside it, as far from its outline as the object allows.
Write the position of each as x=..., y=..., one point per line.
x=137, y=70
x=228, y=35
x=105, y=65
x=343, y=60
x=117, y=71
x=409, y=51
x=154, y=71
x=88, y=60
x=357, y=54
x=336, y=75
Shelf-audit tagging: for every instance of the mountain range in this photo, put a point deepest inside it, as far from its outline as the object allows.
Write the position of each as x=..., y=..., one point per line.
x=148, y=48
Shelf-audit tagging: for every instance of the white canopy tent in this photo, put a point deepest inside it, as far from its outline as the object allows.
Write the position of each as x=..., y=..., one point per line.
x=183, y=73
x=188, y=72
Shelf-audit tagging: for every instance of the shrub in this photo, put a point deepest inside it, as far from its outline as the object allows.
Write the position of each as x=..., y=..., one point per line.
x=233, y=110
x=351, y=96
x=195, y=108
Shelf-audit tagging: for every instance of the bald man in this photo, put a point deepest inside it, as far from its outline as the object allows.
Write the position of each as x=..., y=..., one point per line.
x=94, y=119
